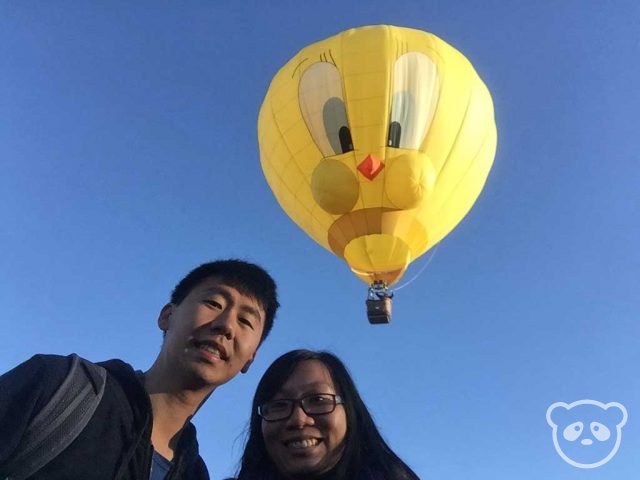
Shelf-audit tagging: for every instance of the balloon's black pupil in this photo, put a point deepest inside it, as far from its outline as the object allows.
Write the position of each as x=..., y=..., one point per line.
x=395, y=130
x=345, y=139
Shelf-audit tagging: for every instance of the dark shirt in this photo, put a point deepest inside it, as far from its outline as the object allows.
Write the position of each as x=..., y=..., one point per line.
x=115, y=444
x=160, y=467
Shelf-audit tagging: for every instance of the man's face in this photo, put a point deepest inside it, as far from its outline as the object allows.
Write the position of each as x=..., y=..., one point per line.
x=211, y=335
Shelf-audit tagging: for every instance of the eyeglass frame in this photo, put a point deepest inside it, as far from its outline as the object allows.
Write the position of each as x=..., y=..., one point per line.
x=297, y=402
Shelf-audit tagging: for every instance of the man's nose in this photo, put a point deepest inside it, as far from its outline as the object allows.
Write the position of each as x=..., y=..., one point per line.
x=223, y=323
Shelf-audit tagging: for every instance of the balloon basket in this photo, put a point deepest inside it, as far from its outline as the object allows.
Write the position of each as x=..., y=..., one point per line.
x=379, y=304
x=379, y=311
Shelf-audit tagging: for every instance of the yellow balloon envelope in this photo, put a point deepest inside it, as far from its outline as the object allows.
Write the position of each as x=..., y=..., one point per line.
x=377, y=142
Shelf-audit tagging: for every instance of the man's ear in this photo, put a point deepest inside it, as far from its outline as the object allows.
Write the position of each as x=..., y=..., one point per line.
x=165, y=315
x=245, y=369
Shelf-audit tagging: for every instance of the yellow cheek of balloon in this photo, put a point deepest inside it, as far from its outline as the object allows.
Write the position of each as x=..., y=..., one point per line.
x=334, y=187
x=409, y=179
x=366, y=255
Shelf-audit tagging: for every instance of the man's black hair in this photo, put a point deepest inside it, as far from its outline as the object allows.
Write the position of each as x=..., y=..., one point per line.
x=249, y=279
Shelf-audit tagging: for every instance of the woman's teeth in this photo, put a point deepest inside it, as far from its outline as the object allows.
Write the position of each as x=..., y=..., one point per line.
x=308, y=443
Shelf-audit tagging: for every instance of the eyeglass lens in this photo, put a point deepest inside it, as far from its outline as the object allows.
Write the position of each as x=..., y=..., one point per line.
x=316, y=404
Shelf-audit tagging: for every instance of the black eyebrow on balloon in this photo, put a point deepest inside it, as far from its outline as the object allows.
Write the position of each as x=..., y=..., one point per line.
x=325, y=59
x=332, y=59
x=298, y=66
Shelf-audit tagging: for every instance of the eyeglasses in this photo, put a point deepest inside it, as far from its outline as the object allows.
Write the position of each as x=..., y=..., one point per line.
x=314, y=404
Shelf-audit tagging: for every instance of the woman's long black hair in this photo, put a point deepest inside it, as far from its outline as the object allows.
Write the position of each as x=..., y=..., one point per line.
x=366, y=455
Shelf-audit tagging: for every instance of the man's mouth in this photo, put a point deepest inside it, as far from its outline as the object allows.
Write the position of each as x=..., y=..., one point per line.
x=210, y=348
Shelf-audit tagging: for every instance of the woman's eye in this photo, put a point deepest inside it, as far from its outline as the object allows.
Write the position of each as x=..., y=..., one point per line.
x=318, y=399
x=276, y=406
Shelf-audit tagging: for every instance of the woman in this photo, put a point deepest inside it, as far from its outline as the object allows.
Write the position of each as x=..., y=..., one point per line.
x=308, y=421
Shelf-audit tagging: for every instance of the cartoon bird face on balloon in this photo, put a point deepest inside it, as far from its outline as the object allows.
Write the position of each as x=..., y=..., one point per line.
x=377, y=142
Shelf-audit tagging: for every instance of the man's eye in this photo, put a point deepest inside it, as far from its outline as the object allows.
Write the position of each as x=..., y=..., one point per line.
x=246, y=322
x=213, y=303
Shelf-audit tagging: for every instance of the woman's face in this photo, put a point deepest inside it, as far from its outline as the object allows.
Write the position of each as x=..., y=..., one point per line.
x=306, y=444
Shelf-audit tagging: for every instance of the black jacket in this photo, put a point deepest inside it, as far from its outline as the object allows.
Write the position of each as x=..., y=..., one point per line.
x=115, y=444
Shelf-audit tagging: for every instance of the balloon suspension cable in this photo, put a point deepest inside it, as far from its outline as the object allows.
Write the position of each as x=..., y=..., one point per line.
x=422, y=269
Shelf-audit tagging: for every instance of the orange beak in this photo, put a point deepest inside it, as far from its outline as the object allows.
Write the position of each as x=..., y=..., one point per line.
x=370, y=167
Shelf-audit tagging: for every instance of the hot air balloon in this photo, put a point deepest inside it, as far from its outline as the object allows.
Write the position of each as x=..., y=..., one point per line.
x=376, y=142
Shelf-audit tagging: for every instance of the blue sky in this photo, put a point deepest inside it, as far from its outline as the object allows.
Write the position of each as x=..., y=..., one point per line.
x=128, y=155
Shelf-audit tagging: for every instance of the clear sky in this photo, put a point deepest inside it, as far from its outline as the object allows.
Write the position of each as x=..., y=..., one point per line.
x=128, y=155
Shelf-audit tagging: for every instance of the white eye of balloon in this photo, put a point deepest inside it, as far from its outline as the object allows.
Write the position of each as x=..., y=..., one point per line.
x=414, y=100
x=323, y=110
x=573, y=431
x=600, y=431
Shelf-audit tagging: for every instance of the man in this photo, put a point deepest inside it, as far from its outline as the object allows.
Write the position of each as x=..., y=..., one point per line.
x=218, y=316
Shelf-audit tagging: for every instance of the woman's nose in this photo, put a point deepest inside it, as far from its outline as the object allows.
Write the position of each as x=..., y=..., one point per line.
x=298, y=418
